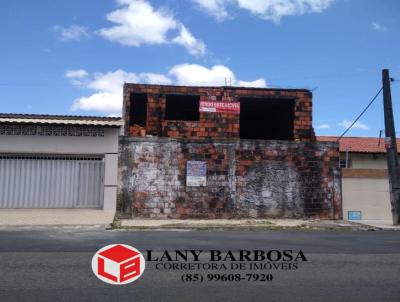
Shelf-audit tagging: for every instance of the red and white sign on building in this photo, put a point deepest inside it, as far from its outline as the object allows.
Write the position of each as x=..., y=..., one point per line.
x=221, y=107
x=118, y=264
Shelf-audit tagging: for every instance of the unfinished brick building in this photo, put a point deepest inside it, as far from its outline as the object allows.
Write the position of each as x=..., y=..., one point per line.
x=223, y=152
x=172, y=111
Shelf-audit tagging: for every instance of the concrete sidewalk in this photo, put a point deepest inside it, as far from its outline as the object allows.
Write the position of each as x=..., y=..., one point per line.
x=51, y=217
x=380, y=224
x=245, y=224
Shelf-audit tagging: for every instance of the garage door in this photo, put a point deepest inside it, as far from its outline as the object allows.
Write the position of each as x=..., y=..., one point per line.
x=51, y=182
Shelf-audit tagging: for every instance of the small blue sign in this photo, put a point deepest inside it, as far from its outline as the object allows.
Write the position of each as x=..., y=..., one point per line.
x=354, y=215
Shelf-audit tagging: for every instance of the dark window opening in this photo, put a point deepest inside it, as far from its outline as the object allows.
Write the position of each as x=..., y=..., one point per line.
x=345, y=163
x=138, y=109
x=182, y=107
x=266, y=118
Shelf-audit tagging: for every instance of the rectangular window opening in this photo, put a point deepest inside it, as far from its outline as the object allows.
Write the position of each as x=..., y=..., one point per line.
x=138, y=109
x=345, y=164
x=266, y=118
x=182, y=107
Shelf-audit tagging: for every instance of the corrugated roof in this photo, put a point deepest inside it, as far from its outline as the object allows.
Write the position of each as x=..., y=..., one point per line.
x=60, y=119
x=359, y=144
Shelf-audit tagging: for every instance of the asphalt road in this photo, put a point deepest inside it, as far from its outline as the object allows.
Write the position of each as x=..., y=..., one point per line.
x=342, y=266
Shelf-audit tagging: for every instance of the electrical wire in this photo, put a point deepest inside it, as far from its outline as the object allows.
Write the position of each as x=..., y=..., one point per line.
x=360, y=115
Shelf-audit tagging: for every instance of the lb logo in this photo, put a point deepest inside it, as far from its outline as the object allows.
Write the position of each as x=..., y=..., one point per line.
x=118, y=264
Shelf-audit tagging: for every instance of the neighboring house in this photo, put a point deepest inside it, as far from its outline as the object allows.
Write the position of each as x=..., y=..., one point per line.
x=62, y=168
x=224, y=152
x=365, y=183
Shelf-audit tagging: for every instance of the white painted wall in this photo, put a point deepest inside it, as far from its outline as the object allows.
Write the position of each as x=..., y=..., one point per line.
x=368, y=195
x=61, y=144
x=366, y=161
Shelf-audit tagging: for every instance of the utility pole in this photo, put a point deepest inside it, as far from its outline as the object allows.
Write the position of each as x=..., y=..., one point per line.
x=391, y=148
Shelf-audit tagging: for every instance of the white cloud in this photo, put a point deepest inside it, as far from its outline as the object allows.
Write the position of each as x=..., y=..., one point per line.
x=106, y=88
x=71, y=33
x=197, y=75
x=272, y=10
x=154, y=78
x=216, y=8
x=138, y=23
x=100, y=101
x=76, y=73
x=260, y=83
x=111, y=82
x=77, y=76
x=194, y=47
x=217, y=75
x=323, y=126
x=379, y=27
x=358, y=125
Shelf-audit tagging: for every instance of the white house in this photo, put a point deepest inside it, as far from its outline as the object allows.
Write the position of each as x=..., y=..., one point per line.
x=365, y=182
x=58, y=169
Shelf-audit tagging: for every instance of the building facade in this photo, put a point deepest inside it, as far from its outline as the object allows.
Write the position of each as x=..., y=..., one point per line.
x=199, y=112
x=62, y=168
x=365, y=182
x=224, y=152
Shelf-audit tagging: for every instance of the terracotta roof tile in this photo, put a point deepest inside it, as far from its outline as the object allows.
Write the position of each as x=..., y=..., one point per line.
x=359, y=144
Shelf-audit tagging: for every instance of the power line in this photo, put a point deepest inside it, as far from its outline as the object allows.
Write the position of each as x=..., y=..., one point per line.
x=360, y=115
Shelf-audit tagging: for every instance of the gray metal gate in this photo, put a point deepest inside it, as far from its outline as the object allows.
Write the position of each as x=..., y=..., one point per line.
x=51, y=182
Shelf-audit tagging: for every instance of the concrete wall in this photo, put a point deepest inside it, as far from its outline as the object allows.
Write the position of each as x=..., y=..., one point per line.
x=244, y=179
x=61, y=144
x=368, y=195
x=365, y=186
x=106, y=146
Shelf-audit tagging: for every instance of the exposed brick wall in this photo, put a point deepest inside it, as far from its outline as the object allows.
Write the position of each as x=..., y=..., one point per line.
x=214, y=125
x=244, y=179
x=211, y=126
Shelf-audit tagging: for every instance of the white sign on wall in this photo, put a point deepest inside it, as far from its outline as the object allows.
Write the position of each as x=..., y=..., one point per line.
x=196, y=173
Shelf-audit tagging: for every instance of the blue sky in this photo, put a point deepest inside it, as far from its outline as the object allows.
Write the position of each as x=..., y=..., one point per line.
x=71, y=57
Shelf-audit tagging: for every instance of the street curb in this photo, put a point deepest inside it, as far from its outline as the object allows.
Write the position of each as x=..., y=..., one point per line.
x=58, y=227
x=307, y=226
